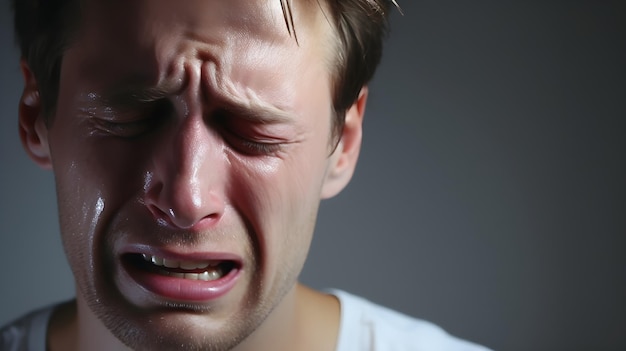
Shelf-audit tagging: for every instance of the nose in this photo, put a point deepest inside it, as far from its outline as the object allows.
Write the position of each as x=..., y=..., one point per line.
x=185, y=188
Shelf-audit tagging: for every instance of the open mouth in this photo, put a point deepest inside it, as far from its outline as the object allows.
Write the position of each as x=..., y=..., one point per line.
x=207, y=270
x=193, y=278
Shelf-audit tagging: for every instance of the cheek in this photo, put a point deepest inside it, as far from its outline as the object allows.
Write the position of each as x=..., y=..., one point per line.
x=93, y=180
x=81, y=208
x=279, y=200
x=97, y=170
x=277, y=190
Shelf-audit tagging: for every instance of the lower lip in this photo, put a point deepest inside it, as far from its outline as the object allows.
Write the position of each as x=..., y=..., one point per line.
x=180, y=289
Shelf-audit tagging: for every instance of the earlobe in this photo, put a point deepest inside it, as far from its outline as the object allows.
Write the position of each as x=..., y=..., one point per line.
x=343, y=160
x=32, y=128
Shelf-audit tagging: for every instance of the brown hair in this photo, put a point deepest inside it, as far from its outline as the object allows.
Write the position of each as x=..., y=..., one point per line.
x=43, y=30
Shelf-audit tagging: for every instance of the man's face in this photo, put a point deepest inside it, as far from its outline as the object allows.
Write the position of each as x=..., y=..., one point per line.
x=194, y=135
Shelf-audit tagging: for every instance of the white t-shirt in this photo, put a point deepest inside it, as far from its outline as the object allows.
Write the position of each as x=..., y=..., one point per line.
x=364, y=326
x=27, y=333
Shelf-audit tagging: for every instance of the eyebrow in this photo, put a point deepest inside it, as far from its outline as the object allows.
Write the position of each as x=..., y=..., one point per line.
x=254, y=110
x=258, y=112
x=130, y=94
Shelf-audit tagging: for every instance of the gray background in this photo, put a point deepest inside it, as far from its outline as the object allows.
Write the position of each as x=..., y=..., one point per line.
x=490, y=197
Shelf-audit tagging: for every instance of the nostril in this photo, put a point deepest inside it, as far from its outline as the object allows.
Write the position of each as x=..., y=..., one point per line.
x=168, y=217
x=160, y=216
x=163, y=215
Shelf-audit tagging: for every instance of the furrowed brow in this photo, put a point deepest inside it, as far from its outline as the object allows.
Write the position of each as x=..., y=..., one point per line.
x=259, y=112
x=138, y=94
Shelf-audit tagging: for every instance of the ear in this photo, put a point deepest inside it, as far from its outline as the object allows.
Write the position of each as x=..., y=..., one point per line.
x=32, y=127
x=343, y=160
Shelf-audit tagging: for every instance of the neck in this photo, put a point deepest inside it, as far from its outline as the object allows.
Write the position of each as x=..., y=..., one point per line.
x=92, y=334
x=279, y=330
x=306, y=320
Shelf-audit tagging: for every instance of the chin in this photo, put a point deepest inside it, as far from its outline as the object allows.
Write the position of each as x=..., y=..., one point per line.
x=181, y=329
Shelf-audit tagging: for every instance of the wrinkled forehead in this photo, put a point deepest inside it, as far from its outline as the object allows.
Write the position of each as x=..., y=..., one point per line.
x=262, y=18
x=121, y=28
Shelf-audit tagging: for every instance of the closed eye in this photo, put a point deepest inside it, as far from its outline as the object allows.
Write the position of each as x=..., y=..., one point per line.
x=132, y=122
x=252, y=147
x=123, y=129
x=244, y=136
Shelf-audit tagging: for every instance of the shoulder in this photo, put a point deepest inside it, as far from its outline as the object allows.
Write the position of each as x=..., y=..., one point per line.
x=367, y=326
x=27, y=332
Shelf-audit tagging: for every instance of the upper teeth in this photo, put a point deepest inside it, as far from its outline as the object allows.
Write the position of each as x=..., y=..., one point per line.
x=164, y=262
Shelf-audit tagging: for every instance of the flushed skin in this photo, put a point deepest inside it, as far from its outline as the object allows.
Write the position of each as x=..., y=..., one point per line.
x=196, y=130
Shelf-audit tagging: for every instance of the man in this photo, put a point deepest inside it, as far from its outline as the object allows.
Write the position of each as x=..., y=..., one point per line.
x=191, y=144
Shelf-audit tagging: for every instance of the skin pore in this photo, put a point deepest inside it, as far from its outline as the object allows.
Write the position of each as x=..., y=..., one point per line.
x=194, y=131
